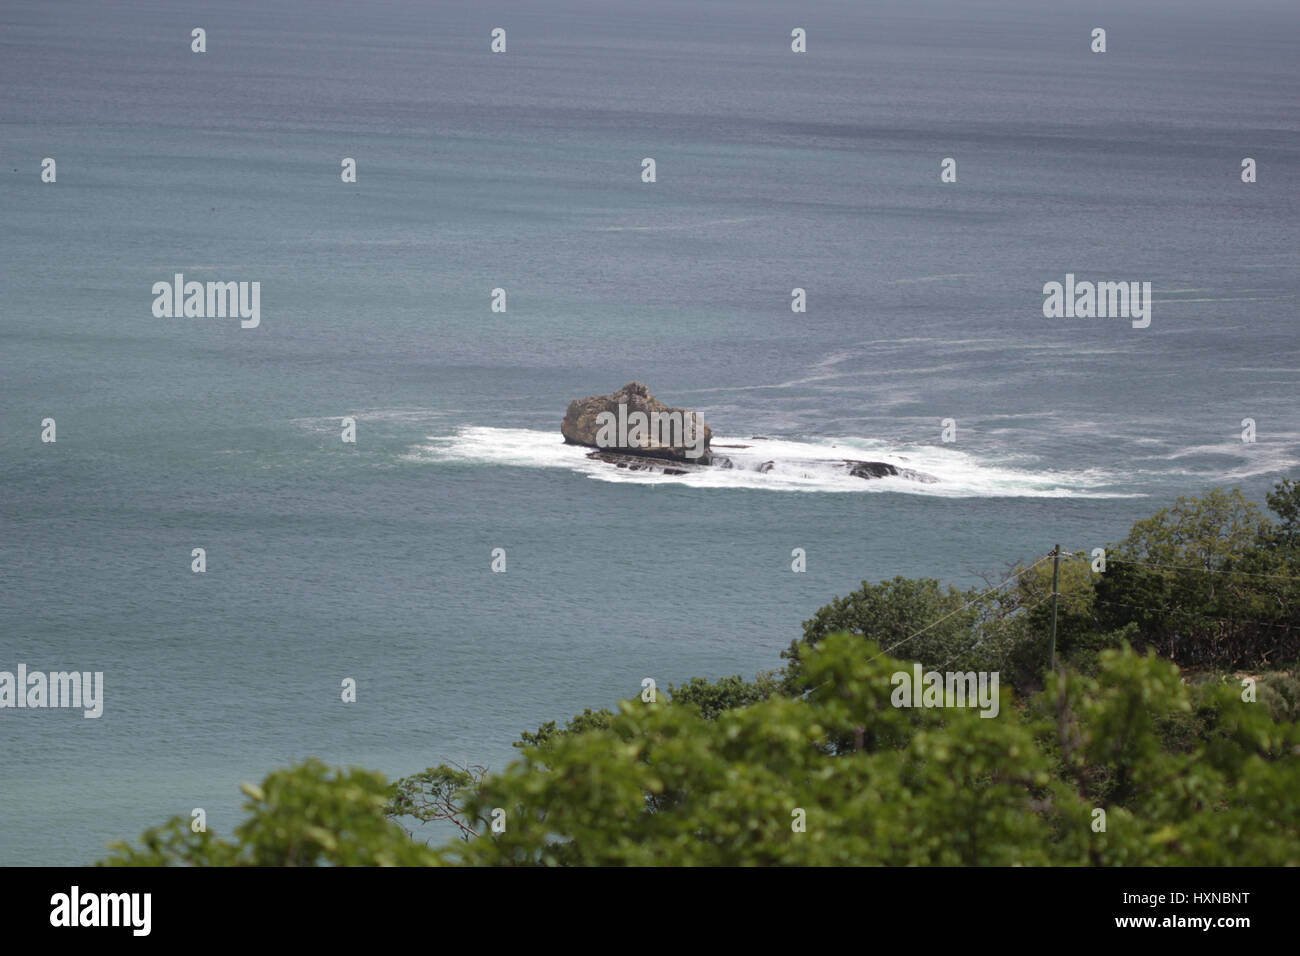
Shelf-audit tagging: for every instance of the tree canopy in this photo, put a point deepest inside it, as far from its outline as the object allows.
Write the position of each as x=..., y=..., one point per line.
x=1117, y=758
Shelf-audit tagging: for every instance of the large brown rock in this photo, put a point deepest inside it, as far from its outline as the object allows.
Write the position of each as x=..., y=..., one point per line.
x=669, y=436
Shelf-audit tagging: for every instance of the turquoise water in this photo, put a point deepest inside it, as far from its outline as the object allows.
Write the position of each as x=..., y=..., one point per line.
x=522, y=171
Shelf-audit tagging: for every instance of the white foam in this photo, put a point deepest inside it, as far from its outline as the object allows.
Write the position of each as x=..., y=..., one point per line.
x=330, y=424
x=797, y=465
x=1256, y=459
x=938, y=278
x=682, y=225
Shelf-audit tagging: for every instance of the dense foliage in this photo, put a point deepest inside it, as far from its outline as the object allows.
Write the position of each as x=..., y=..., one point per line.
x=1210, y=582
x=305, y=815
x=1117, y=758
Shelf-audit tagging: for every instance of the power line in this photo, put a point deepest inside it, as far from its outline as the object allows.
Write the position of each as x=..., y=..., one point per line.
x=1054, y=593
x=1023, y=571
x=1193, y=614
x=977, y=597
x=1001, y=620
x=1190, y=567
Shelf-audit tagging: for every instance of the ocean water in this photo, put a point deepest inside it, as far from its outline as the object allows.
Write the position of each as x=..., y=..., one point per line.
x=775, y=170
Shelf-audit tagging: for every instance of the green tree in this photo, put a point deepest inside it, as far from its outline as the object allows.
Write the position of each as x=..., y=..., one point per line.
x=835, y=775
x=817, y=765
x=306, y=815
x=924, y=620
x=1204, y=584
x=1284, y=501
x=727, y=693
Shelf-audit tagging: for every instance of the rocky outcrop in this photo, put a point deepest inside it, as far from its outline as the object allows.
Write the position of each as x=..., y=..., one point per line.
x=633, y=422
x=659, y=466
x=632, y=429
x=881, y=469
x=858, y=469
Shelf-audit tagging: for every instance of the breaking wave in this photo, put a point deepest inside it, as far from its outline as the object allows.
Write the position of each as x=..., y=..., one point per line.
x=795, y=465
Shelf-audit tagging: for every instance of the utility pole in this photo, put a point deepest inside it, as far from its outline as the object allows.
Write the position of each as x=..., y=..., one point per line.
x=1056, y=580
